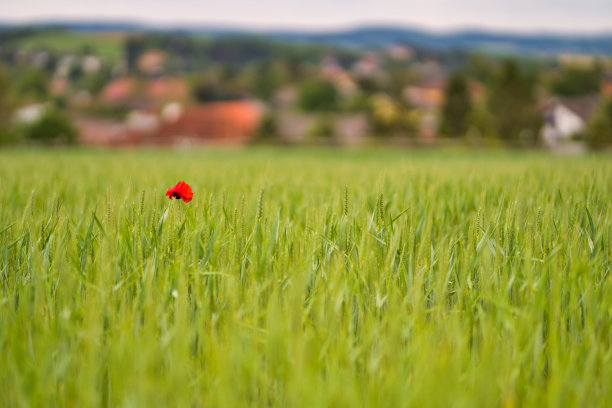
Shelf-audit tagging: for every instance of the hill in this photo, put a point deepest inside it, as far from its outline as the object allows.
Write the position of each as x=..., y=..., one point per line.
x=377, y=36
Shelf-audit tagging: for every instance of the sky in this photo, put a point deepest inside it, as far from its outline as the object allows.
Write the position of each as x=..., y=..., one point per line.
x=583, y=16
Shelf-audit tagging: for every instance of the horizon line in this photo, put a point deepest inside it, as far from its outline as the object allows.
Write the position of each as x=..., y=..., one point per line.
x=268, y=28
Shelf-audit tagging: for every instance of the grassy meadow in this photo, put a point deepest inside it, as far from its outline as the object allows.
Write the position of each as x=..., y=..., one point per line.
x=107, y=45
x=305, y=278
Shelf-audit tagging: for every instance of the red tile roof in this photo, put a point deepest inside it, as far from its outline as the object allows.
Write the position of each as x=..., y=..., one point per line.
x=118, y=90
x=167, y=89
x=233, y=121
x=153, y=91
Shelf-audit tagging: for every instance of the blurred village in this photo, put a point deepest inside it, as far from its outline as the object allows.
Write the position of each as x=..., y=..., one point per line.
x=179, y=89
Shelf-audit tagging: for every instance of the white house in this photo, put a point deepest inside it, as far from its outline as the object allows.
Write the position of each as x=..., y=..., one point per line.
x=31, y=113
x=566, y=118
x=561, y=123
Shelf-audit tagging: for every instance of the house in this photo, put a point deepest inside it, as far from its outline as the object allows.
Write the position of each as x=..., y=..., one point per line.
x=427, y=99
x=400, y=52
x=565, y=118
x=351, y=129
x=477, y=92
x=40, y=58
x=428, y=95
x=340, y=78
x=81, y=99
x=103, y=132
x=147, y=94
x=329, y=66
x=606, y=85
x=214, y=122
x=429, y=70
x=348, y=129
x=368, y=66
x=286, y=97
x=63, y=66
x=142, y=122
x=167, y=89
x=152, y=61
x=345, y=84
x=230, y=122
x=59, y=86
x=294, y=126
x=91, y=64
x=118, y=91
x=31, y=113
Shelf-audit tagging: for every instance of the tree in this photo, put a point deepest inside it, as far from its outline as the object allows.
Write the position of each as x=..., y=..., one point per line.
x=389, y=117
x=52, y=128
x=207, y=91
x=266, y=77
x=576, y=81
x=513, y=105
x=132, y=49
x=322, y=128
x=599, y=129
x=75, y=73
x=369, y=85
x=95, y=82
x=480, y=67
x=5, y=110
x=318, y=95
x=220, y=83
x=457, y=106
x=481, y=123
x=268, y=128
x=384, y=114
x=33, y=83
x=7, y=135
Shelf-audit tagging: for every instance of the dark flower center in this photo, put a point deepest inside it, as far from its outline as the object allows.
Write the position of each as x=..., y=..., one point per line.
x=175, y=194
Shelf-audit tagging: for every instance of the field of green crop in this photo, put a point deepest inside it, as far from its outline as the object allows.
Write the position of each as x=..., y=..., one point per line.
x=316, y=278
x=105, y=45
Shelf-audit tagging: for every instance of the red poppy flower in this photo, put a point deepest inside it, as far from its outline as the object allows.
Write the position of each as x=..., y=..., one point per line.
x=181, y=190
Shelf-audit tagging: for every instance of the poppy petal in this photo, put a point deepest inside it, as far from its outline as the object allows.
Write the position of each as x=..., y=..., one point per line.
x=181, y=190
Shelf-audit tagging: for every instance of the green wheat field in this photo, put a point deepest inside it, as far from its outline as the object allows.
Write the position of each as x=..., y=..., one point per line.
x=305, y=278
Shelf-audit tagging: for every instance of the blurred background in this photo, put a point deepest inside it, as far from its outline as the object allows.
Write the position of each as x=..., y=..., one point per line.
x=406, y=73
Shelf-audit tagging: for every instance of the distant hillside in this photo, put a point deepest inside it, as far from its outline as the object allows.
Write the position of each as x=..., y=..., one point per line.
x=483, y=40
x=365, y=37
